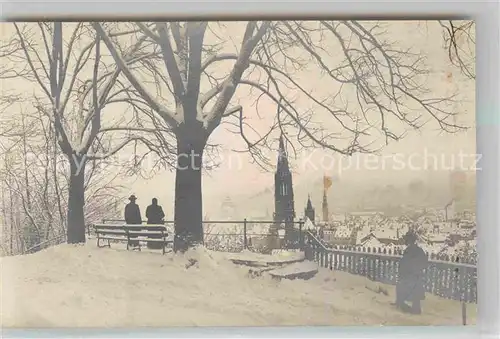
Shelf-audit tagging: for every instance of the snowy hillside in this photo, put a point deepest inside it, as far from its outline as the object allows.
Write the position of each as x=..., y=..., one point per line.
x=83, y=286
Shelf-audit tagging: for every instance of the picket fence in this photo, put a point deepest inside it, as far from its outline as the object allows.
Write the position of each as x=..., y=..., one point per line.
x=451, y=278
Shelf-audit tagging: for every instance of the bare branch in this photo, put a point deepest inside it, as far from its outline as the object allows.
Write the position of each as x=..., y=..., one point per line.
x=163, y=111
x=459, y=39
x=229, y=88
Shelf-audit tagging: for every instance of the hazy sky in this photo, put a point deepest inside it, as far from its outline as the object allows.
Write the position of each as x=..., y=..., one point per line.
x=241, y=176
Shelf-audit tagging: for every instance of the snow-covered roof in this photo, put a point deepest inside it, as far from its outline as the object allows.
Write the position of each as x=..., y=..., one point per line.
x=383, y=233
x=372, y=242
x=343, y=232
x=361, y=234
x=436, y=237
x=309, y=225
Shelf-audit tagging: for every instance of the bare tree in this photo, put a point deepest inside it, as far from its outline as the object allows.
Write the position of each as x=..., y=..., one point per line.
x=388, y=85
x=35, y=180
x=13, y=236
x=75, y=85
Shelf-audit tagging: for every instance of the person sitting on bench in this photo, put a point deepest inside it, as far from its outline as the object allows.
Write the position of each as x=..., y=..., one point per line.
x=133, y=216
x=155, y=215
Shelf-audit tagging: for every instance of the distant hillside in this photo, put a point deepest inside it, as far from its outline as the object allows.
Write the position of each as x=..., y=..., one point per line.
x=348, y=195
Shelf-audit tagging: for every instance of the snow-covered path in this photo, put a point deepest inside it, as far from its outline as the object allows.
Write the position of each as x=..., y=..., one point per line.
x=83, y=286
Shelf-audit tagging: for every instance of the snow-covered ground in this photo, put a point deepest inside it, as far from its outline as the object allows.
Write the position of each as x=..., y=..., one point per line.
x=83, y=286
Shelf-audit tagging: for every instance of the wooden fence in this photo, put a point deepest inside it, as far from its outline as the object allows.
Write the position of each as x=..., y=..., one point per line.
x=451, y=278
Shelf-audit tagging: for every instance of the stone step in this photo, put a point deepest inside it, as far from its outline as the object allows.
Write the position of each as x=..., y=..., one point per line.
x=299, y=270
x=264, y=260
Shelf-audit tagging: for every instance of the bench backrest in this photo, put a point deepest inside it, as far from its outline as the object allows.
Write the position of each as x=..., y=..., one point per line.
x=107, y=227
x=133, y=228
x=154, y=228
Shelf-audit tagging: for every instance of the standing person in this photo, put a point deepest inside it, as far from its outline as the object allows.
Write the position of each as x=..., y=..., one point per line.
x=410, y=286
x=155, y=215
x=133, y=216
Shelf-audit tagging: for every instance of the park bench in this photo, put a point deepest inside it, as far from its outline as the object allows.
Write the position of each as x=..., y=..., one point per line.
x=133, y=235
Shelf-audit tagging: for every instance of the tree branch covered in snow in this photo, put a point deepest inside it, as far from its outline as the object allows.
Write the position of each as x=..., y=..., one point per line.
x=75, y=83
x=379, y=90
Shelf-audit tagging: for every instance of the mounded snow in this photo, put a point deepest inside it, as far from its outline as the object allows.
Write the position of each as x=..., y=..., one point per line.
x=83, y=286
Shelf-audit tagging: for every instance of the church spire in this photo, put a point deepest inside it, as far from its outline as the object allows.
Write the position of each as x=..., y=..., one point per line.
x=282, y=156
x=309, y=203
x=309, y=211
x=282, y=143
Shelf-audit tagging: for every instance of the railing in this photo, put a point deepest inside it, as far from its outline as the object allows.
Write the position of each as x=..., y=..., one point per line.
x=56, y=240
x=243, y=235
x=451, y=279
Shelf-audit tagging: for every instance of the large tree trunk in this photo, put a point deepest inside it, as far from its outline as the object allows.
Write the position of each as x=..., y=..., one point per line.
x=191, y=140
x=76, y=202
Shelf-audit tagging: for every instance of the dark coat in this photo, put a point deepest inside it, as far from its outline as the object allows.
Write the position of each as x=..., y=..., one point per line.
x=132, y=214
x=155, y=214
x=411, y=282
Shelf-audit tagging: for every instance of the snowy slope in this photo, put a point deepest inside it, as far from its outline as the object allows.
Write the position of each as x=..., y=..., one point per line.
x=84, y=286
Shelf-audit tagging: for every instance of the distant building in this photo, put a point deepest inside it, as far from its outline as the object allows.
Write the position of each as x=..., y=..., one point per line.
x=436, y=239
x=337, y=219
x=363, y=234
x=388, y=236
x=309, y=225
x=370, y=241
x=342, y=235
x=309, y=211
x=466, y=224
x=324, y=206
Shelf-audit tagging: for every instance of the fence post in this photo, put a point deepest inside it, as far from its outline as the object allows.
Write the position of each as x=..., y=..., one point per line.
x=462, y=272
x=301, y=238
x=245, y=234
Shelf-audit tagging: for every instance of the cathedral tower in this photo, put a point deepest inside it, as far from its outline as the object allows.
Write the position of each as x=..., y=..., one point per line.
x=283, y=189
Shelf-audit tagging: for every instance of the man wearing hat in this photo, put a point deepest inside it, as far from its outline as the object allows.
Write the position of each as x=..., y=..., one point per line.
x=411, y=282
x=133, y=215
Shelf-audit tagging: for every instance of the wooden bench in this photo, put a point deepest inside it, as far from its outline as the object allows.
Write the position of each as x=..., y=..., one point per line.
x=132, y=235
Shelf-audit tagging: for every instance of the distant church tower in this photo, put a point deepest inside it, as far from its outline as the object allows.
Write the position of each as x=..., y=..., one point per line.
x=309, y=211
x=283, y=190
x=326, y=215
